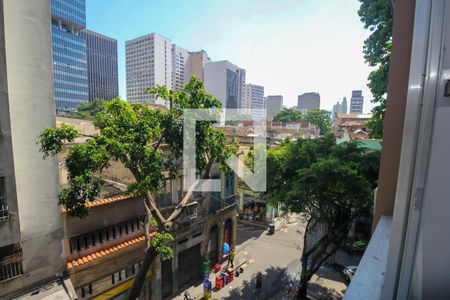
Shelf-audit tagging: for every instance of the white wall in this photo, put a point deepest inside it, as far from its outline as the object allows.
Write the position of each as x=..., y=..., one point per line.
x=31, y=95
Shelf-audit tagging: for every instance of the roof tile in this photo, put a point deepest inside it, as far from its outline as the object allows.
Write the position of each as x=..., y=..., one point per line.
x=90, y=257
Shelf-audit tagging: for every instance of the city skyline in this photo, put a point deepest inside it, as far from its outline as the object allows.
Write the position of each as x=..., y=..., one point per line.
x=292, y=27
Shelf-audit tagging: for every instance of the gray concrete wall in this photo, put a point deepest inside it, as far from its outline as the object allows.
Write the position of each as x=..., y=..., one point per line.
x=31, y=100
x=9, y=228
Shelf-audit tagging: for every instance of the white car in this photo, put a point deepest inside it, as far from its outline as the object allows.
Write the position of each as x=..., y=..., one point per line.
x=349, y=272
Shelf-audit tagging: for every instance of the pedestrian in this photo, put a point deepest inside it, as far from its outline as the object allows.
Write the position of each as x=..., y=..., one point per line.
x=258, y=282
x=187, y=296
x=231, y=258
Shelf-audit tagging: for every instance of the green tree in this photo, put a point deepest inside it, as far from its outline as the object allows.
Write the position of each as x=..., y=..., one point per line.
x=330, y=184
x=377, y=16
x=287, y=115
x=321, y=118
x=89, y=110
x=135, y=136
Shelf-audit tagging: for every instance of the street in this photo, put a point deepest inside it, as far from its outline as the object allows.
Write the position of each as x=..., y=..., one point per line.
x=275, y=256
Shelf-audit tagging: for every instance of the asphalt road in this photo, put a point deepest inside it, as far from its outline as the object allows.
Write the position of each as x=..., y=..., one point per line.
x=275, y=256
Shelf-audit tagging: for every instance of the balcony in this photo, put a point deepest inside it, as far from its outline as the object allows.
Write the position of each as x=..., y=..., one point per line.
x=369, y=277
x=192, y=214
x=225, y=204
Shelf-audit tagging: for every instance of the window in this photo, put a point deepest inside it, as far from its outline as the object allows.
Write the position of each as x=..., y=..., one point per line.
x=10, y=262
x=84, y=291
x=3, y=206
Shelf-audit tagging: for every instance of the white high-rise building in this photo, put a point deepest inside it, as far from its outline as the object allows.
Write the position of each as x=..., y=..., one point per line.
x=154, y=60
x=226, y=81
x=254, y=101
x=180, y=67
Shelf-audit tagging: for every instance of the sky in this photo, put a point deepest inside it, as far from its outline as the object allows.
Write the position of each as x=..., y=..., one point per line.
x=288, y=46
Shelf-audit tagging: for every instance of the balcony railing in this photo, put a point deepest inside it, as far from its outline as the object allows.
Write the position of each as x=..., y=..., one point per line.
x=3, y=212
x=193, y=213
x=11, y=267
x=224, y=204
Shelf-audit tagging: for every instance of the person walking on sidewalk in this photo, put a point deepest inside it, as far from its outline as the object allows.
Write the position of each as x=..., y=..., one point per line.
x=258, y=282
x=231, y=258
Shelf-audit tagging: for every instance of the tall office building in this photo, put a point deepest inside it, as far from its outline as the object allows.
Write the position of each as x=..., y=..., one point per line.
x=31, y=231
x=103, y=76
x=69, y=54
x=197, y=63
x=254, y=101
x=274, y=104
x=154, y=60
x=180, y=67
x=356, y=102
x=308, y=101
x=226, y=81
x=344, y=106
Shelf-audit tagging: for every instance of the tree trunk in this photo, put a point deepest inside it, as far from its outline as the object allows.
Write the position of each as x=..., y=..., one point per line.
x=302, y=291
x=150, y=256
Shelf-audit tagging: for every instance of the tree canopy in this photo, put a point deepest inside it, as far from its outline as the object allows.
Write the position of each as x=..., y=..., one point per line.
x=377, y=16
x=331, y=184
x=287, y=115
x=88, y=110
x=318, y=117
x=135, y=135
x=321, y=118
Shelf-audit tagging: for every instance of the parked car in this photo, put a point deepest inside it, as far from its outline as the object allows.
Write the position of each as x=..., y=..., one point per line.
x=349, y=272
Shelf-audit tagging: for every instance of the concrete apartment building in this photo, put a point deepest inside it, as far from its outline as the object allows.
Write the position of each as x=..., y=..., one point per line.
x=308, y=101
x=225, y=81
x=31, y=228
x=148, y=63
x=154, y=60
x=254, y=101
x=274, y=104
x=180, y=67
x=103, y=78
x=69, y=54
x=197, y=64
x=356, y=102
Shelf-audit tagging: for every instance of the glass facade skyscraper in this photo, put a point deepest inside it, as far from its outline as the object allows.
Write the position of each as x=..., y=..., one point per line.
x=69, y=54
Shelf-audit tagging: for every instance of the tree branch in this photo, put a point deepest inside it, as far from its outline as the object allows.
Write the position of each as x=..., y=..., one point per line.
x=182, y=205
x=154, y=209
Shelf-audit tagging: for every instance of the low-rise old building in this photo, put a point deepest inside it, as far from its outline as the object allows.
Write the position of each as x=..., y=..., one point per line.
x=352, y=126
x=104, y=251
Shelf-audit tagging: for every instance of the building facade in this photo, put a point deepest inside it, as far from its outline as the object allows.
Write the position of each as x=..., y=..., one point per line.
x=70, y=68
x=154, y=60
x=356, y=102
x=274, y=104
x=104, y=251
x=103, y=78
x=308, y=101
x=254, y=104
x=31, y=230
x=197, y=64
x=225, y=81
x=180, y=67
x=344, y=106
x=148, y=63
